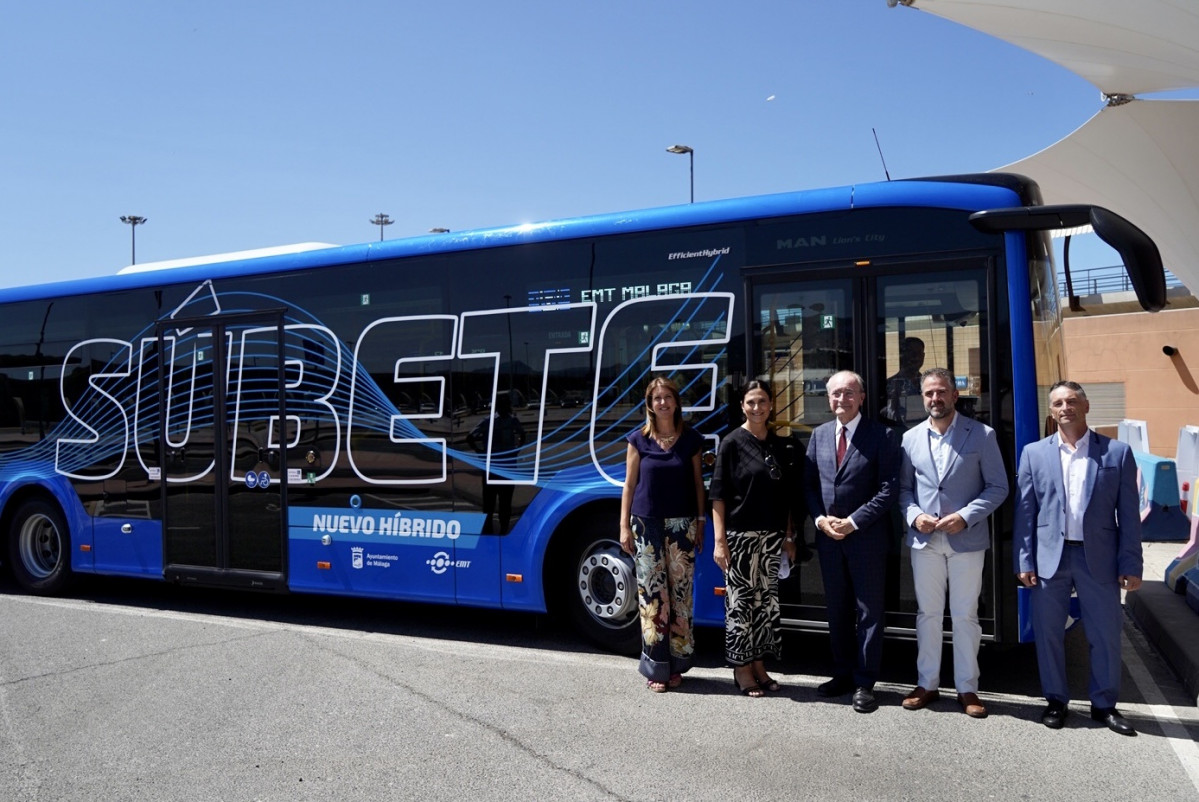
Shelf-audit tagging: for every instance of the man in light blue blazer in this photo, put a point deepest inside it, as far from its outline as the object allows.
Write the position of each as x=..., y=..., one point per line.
x=951, y=479
x=1078, y=526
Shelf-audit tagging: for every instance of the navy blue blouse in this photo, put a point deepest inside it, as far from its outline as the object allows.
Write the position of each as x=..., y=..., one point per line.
x=665, y=480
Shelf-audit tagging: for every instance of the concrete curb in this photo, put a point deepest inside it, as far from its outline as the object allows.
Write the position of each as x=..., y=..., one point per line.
x=1173, y=629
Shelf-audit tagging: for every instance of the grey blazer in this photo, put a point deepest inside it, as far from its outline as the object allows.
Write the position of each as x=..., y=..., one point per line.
x=974, y=485
x=1111, y=523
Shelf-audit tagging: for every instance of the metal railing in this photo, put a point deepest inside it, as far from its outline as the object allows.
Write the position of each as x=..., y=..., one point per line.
x=1100, y=280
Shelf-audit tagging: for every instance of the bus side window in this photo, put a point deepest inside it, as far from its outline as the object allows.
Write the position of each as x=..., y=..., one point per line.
x=932, y=320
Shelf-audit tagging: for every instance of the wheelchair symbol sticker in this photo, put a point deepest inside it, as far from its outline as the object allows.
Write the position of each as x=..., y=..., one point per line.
x=261, y=479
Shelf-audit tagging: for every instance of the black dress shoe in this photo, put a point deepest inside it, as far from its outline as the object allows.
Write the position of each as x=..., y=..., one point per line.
x=1055, y=715
x=864, y=701
x=1112, y=718
x=837, y=686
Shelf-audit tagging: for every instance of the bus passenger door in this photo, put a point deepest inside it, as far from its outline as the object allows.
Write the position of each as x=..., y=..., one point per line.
x=224, y=433
x=803, y=332
x=934, y=316
x=888, y=323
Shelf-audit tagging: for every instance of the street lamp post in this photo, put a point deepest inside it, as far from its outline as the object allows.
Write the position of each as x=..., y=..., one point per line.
x=381, y=220
x=691, y=156
x=511, y=350
x=133, y=221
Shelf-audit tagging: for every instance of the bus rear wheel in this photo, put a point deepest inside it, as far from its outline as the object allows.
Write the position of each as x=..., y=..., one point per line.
x=602, y=596
x=39, y=548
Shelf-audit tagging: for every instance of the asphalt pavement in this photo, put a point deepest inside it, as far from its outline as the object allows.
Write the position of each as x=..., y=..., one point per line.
x=140, y=691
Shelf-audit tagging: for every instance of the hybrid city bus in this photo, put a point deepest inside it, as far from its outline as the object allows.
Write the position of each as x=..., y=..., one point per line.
x=317, y=422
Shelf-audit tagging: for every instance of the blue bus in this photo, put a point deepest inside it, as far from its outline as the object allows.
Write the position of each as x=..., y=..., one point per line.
x=322, y=422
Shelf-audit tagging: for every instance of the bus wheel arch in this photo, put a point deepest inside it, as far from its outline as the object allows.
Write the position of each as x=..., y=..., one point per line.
x=39, y=544
x=595, y=583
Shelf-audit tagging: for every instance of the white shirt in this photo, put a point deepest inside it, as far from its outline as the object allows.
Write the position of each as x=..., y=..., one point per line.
x=1074, y=480
x=849, y=428
x=938, y=446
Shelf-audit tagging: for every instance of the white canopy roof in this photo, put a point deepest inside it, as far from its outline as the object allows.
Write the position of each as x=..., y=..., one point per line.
x=1140, y=161
x=1137, y=158
x=1122, y=46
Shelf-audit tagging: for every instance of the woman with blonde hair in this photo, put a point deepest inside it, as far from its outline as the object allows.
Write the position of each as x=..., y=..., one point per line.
x=662, y=528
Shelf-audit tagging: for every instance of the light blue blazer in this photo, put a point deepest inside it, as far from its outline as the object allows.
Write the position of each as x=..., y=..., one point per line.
x=1111, y=523
x=974, y=485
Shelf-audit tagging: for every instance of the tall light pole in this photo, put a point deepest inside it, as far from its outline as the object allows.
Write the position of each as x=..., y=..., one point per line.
x=133, y=221
x=381, y=220
x=511, y=351
x=691, y=155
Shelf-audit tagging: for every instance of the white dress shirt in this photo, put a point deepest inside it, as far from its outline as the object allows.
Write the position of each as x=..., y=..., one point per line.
x=849, y=428
x=1074, y=479
x=938, y=446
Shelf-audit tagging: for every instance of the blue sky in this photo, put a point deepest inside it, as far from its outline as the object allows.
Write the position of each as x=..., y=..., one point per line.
x=255, y=123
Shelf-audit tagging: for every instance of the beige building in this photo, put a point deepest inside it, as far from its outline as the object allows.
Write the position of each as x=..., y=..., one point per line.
x=1120, y=357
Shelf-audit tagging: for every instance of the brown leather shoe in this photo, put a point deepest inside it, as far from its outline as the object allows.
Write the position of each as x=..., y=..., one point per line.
x=920, y=698
x=972, y=705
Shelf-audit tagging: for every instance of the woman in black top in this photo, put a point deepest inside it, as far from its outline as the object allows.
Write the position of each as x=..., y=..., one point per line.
x=757, y=503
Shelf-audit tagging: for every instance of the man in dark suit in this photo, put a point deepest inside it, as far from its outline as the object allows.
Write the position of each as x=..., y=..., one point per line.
x=850, y=483
x=1078, y=527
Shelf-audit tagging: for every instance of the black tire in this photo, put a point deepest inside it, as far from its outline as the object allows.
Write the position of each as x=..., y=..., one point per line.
x=39, y=548
x=600, y=591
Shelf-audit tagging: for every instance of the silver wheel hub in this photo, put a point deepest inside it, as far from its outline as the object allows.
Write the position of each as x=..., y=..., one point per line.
x=607, y=584
x=40, y=546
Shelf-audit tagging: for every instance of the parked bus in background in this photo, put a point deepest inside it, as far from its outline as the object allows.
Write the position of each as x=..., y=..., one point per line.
x=300, y=422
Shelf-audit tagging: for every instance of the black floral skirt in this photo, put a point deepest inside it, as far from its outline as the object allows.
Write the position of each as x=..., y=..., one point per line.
x=665, y=577
x=751, y=597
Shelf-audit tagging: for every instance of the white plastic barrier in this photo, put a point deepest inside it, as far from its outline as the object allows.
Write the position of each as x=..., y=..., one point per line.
x=1187, y=460
x=1135, y=433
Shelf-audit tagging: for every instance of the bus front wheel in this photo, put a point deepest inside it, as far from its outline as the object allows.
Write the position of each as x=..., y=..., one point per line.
x=39, y=548
x=602, y=596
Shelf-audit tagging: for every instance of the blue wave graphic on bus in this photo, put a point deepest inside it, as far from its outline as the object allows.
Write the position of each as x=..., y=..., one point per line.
x=116, y=413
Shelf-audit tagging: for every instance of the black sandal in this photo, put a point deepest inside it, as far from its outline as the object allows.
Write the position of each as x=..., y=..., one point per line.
x=753, y=690
x=769, y=684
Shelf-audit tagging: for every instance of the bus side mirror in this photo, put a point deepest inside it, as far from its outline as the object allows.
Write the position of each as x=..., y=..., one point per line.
x=1142, y=260
x=1141, y=257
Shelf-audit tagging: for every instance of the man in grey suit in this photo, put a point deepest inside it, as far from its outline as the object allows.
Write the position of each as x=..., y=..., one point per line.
x=1078, y=527
x=951, y=478
x=852, y=465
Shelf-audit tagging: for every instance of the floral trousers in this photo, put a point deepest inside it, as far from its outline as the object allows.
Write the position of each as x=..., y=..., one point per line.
x=665, y=576
x=751, y=597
